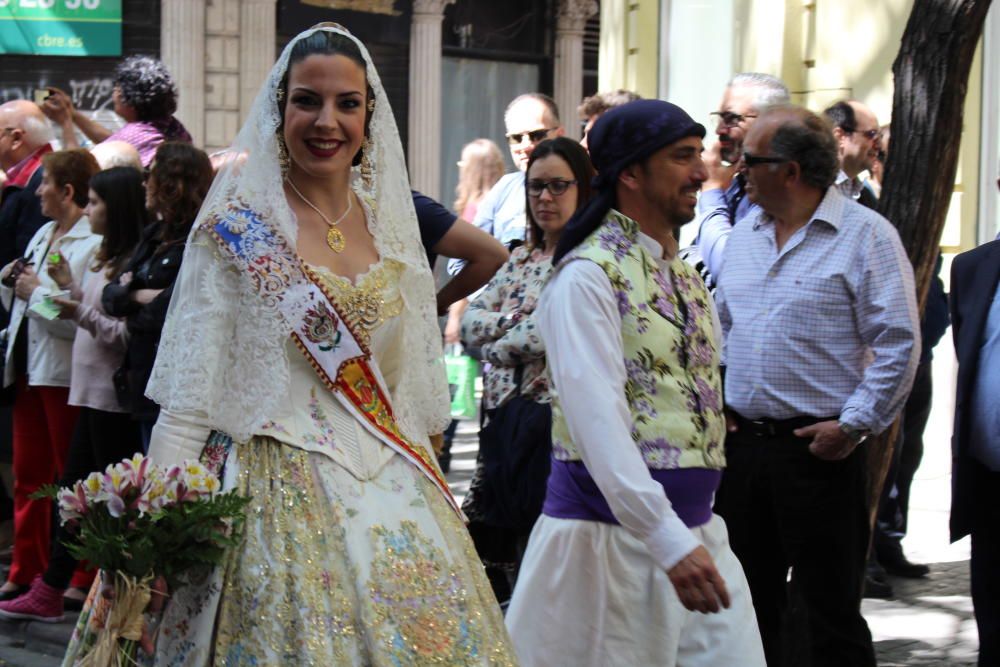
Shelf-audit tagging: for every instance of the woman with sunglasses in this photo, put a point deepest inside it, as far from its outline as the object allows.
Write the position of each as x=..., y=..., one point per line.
x=500, y=321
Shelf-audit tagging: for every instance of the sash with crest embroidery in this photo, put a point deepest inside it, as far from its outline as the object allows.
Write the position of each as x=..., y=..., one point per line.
x=343, y=363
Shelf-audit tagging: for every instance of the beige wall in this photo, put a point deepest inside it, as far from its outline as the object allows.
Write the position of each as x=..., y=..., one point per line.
x=629, y=47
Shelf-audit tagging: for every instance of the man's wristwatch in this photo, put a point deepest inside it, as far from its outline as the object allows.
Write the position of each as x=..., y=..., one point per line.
x=855, y=435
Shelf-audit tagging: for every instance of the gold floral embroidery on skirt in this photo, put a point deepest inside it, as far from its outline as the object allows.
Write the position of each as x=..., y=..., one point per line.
x=341, y=572
x=420, y=604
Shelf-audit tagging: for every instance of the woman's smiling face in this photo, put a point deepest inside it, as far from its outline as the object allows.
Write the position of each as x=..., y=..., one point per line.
x=324, y=115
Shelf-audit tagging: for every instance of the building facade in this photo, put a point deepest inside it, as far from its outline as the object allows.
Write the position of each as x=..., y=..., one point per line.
x=444, y=63
x=825, y=50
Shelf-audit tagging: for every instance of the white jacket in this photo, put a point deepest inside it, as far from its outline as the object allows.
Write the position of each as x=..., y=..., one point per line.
x=50, y=342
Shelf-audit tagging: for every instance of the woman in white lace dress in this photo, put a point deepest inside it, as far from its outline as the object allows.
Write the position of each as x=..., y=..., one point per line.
x=302, y=345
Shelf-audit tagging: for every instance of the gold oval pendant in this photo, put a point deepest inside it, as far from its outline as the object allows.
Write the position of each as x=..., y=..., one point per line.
x=335, y=239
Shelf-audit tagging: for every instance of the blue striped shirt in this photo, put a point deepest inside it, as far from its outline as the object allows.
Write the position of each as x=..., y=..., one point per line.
x=827, y=326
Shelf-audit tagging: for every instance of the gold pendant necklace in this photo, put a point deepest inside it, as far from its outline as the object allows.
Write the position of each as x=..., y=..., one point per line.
x=334, y=237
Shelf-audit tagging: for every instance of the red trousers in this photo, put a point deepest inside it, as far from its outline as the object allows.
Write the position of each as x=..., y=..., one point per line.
x=43, y=428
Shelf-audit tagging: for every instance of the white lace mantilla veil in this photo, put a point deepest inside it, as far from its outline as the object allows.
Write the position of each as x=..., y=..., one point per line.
x=222, y=356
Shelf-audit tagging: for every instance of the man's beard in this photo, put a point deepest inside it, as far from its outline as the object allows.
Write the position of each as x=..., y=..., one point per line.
x=730, y=152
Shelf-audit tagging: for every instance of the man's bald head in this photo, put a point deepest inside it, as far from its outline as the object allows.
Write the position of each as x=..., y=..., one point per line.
x=857, y=132
x=24, y=130
x=116, y=154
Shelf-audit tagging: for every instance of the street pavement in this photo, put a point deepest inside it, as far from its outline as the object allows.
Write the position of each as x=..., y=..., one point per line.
x=928, y=623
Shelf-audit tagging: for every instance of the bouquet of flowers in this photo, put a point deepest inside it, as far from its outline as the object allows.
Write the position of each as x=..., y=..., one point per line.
x=139, y=523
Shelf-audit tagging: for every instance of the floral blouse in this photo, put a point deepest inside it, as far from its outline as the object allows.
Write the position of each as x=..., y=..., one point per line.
x=501, y=322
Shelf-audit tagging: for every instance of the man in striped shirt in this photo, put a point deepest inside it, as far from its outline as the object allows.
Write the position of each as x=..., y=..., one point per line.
x=819, y=314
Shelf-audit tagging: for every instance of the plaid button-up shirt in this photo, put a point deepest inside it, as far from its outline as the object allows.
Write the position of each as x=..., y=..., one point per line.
x=827, y=326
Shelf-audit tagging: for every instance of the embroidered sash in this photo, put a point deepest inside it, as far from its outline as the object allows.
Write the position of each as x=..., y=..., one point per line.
x=320, y=331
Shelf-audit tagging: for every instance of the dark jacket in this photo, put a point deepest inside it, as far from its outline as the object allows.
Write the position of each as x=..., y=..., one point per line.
x=20, y=217
x=150, y=270
x=974, y=278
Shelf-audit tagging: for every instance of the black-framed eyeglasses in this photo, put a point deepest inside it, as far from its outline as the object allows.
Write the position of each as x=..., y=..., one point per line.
x=754, y=160
x=730, y=119
x=534, y=136
x=556, y=187
x=870, y=135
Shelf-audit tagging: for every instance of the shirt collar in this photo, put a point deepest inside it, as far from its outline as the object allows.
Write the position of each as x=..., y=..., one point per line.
x=79, y=230
x=652, y=246
x=830, y=211
x=850, y=187
x=21, y=173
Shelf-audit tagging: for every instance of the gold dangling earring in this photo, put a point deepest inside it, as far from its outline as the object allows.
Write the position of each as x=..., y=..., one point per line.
x=367, y=170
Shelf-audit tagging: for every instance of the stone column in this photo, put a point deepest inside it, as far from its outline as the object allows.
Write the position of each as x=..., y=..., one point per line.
x=257, y=38
x=182, y=49
x=425, y=96
x=571, y=18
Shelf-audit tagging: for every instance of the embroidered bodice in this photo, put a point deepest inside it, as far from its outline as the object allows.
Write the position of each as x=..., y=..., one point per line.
x=312, y=418
x=370, y=300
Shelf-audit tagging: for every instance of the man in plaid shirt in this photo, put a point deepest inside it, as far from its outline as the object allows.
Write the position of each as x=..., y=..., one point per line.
x=819, y=314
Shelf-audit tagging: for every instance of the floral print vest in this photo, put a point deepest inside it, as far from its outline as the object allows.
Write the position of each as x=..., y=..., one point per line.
x=673, y=385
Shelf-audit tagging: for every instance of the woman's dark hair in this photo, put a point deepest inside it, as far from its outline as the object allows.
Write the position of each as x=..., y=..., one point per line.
x=325, y=43
x=179, y=178
x=71, y=167
x=120, y=188
x=145, y=84
x=574, y=155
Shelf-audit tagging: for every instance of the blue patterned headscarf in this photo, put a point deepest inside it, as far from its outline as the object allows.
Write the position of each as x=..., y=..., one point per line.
x=621, y=137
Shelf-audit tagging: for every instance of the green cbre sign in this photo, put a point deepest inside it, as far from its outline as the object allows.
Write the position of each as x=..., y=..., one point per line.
x=61, y=27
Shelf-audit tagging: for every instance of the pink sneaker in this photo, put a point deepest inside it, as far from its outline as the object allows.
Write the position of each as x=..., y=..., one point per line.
x=41, y=603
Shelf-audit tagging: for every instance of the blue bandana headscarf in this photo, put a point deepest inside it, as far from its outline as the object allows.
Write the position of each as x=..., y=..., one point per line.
x=621, y=137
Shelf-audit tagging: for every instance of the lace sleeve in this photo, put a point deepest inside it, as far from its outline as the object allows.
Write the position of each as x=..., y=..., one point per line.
x=222, y=355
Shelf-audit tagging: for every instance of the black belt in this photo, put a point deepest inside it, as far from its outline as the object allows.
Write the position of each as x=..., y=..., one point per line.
x=771, y=428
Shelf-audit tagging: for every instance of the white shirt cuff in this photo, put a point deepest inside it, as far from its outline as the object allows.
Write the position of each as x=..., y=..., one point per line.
x=671, y=542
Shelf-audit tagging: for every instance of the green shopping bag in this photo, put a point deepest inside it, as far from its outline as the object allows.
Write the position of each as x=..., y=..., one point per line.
x=462, y=373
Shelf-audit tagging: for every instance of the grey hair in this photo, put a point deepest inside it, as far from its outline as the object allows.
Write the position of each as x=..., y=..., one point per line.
x=807, y=139
x=770, y=90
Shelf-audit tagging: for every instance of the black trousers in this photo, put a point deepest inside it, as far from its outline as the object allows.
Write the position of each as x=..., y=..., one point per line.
x=101, y=438
x=984, y=567
x=786, y=508
x=894, y=505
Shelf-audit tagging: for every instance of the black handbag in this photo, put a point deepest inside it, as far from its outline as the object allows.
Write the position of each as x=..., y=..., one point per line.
x=515, y=446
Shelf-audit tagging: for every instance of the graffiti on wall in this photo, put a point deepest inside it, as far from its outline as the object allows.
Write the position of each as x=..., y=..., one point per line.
x=93, y=94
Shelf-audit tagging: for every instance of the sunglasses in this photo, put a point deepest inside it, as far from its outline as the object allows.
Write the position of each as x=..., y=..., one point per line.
x=556, y=187
x=870, y=135
x=754, y=160
x=534, y=136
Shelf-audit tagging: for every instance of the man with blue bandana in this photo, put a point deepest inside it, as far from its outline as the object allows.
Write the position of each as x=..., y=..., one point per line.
x=627, y=564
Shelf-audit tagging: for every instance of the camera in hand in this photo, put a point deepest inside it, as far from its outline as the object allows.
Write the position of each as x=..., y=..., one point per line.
x=15, y=271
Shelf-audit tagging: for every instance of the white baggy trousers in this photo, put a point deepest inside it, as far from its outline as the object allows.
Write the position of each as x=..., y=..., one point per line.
x=590, y=594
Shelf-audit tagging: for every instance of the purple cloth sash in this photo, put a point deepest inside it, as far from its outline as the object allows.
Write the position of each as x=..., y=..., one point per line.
x=571, y=493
